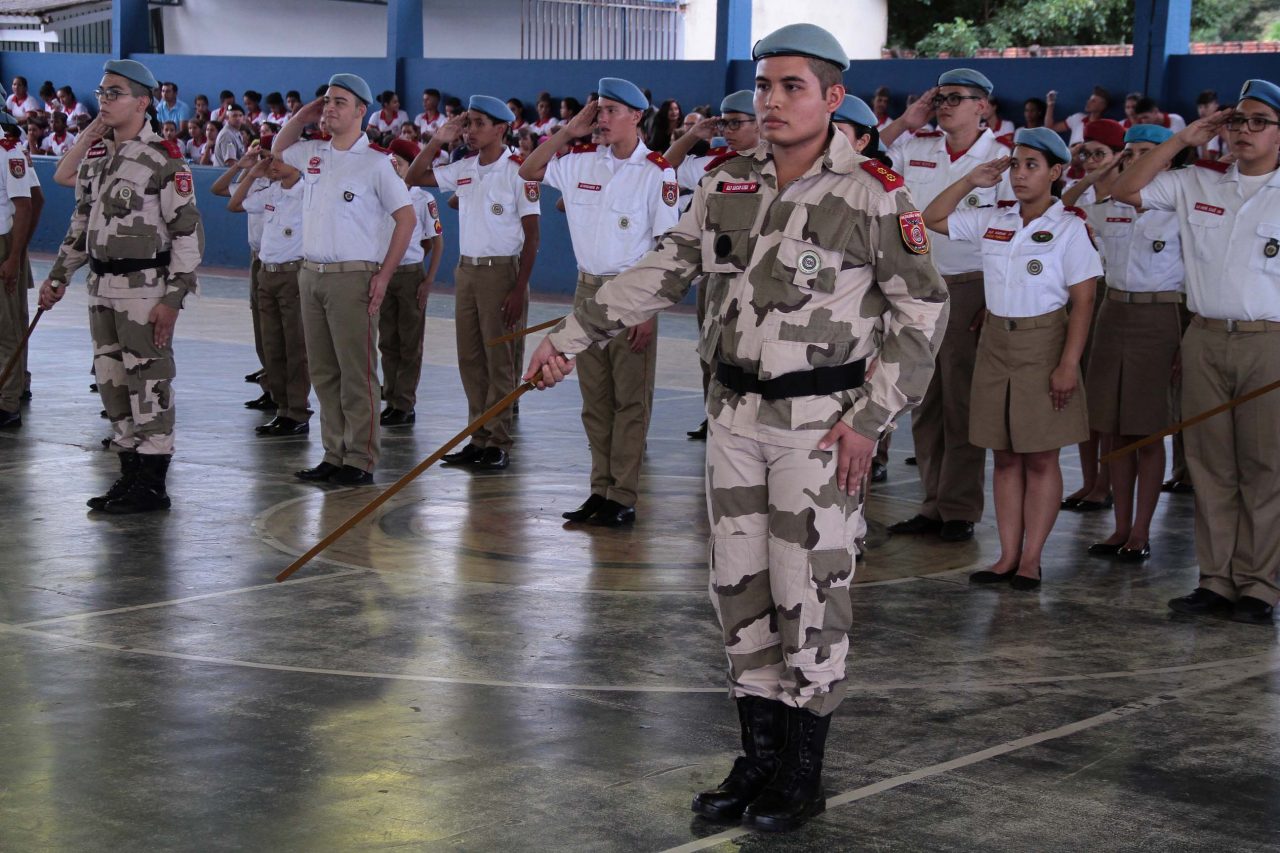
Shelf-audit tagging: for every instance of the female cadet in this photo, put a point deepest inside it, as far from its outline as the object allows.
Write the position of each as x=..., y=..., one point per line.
x=1135, y=344
x=1026, y=404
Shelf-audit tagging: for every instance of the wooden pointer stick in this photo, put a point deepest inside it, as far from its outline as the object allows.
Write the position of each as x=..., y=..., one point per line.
x=351, y=522
x=520, y=333
x=22, y=345
x=1190, y=422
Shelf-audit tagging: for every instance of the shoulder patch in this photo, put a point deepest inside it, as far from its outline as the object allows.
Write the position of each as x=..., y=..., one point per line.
x=1005, y=203
x=721, y=160
x=1213, y=165
x=1006, y=140
x=7, y=143
x=888, y=178
x=928, y=134
x=914, y=235
x=718, y=150
x=658, y=160
x=183, y=183
x=1077, y=211
x=172, y=148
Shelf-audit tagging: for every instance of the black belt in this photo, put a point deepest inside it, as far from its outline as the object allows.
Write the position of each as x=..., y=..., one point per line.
x=124, y=266
x=806, y=383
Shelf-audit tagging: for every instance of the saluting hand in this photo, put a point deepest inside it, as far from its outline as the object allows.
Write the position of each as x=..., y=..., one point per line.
x=93, y=131
x=988, y=174
x=312, y=112
x=581, y=124
x=853, y=455
x=921, y=110
x=547, y=366
x=51, y=294
x=450, y=130
x=1200, y=131
x=706, y=128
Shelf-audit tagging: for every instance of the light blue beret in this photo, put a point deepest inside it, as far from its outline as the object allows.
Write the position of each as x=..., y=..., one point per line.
x=802, y=40
x=1263, y=91
x=1147, y=133
x=854, y=110
x=739, y=102
x=719, y=142
x=353, y=84
x=967, y=77
x=1045, y=140
x=623, y=91
x=131, y=70
x=492, y=107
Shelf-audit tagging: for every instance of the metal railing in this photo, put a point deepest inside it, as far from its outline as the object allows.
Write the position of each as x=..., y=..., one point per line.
x=601, y=29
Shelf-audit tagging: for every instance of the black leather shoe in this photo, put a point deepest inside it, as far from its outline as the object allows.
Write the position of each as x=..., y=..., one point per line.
x=130, y=462
x=262, y=404
x=93, y=389
x=1134, y=555
x=764, y=731
x=146, y=490
x=288, y=426
x=493, y=459
x=1069, y=503
x=1023, y=583
x=699, y=434
x=879, y=473
x=910, y=460
x=255, y=377
x=265, y=429
x=956, y=531
x=1103, y=549
x=319, y=474
x=917, y=524
x=25, y=397
x=1252, y=611
x=588, y=509
x=1202, y=602
x=613, y=514
x=796, y=794
x=1093, y=506
x=1177, y=487
x=397, y=418
x=10, y=420
x=986, y=577
x=468, y=455
x=350, y=475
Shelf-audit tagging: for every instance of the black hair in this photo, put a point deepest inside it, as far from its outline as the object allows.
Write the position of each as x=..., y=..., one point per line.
x=164, y=83
x=250, y=94
x=293, y=93
x=321, y=91
x=226, y=93
x=18, y=77
x=275, y=98
x=574, y=105
x=46, y=89
x=1146, y=105
x=1102, y=93
x=1208, y=96
x=385, y=97
x=435, y=92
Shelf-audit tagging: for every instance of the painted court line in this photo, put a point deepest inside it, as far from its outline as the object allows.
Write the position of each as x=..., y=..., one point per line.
x=1111, y=716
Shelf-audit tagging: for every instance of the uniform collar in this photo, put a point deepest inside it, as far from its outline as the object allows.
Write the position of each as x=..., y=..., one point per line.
x=637, y=156
x=1232, y=176
x=838, y=157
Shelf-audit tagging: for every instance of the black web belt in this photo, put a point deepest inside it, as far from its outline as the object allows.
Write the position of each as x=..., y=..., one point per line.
x=806, y=383
x=124, y=266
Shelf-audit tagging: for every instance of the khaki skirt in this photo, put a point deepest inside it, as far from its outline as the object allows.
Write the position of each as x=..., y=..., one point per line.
x=1009, y=406
x=1131, y=367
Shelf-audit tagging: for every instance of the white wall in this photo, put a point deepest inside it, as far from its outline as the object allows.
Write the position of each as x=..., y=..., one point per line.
x=479, y=29
x=861, y=25
x=275, y=28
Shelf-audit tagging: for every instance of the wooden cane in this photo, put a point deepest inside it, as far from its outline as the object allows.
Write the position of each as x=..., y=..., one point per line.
x=1190, y=422
x=520, y=333
x=22, y=345
x=351, y=522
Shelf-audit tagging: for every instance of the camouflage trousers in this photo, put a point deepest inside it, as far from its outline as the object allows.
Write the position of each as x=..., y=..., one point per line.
x=782, y=559
x=135, y=377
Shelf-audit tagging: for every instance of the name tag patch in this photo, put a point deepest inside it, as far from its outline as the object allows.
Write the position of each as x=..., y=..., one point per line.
x=738, y=187
x=313, y=166
x=998, y=235
x=1119, y=219
x=595, y=188
x=924, y=164
x=1209, y=208
x=462, y=182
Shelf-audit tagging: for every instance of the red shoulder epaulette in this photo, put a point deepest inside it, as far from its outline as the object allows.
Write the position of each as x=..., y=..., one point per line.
x=658, y=160
x=172, y=148
x=1005, y=203
x=719, y=161
x=1077, y=211
x=1214, y=165
x=7, y=143
x=888, y=178
x=1006, y=140
x=581, y=148
x=929, y=134
x=718, y=150
x=376, y=147
x=517, y=159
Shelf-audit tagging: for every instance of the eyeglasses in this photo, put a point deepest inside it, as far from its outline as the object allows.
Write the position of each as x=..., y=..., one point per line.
x=1098, y=154
x=1256, y=124
x=108, y=95
x=953, y=99
x=734, y=123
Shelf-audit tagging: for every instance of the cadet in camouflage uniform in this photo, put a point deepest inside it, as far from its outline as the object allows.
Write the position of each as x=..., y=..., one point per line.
x=807, y=245
x=136, y=225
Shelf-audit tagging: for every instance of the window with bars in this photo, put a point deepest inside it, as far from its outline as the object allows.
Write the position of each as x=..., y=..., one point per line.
x=602, y=29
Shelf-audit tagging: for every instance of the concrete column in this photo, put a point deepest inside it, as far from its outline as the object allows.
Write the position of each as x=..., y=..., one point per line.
x=733, y=34
x=1161, y=28
x=404, y=41
x=130, y=28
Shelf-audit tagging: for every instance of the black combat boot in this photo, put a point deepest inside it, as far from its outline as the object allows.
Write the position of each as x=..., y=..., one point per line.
x=796, y=793
x=764, y=729
x=129, y=462
x=146, y=493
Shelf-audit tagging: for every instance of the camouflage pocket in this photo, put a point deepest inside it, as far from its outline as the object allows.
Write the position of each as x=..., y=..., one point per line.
x=806, y=265
x=826, y=614
x=727, y=238
x=125, y=197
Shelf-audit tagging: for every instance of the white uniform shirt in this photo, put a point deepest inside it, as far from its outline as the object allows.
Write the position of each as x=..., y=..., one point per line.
x=1002, y=127
x=927, y=169
x=19, y=177
x=1232, y=274
x=615, y=207
x=544, y=128
x=254, y=217
x=348, y=193
x=426, y=225
x=78, y=110
x=693, y=169
x=57, y=147
x=491, y=202
x=426, y=125
x=1027, y=270
x=1075, y=123
x=20, y=109
x=279, y=214
x=1141, y=252
x=382, y=124
x=1088, y=197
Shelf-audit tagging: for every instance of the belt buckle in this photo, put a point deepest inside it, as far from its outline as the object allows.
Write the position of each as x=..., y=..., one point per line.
x=1232, y=325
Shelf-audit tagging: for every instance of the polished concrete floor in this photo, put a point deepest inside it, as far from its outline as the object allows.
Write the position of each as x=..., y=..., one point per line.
x=464, y=673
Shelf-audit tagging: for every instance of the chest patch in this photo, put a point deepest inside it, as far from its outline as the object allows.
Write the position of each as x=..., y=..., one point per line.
x=914, y=236
x=1000, y=236
x=624, y=223
x=1042, y=236
x=462, y=182
x=348, y=196
x=738, y=187
x=1119, y=219
x=1157, y=246
x=496, y=209
x=1209, y=208
x=592, y=188
x=313, y=166
x=1272, y=248
x=923, y=164
x=1035, y=267
x=99, y=150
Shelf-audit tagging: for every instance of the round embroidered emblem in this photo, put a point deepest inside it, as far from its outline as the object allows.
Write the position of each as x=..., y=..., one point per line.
x=1157, y=246
x=624, y=223
x=1035, y=267
x=809, y=262
x=496, y=210
x=1272, y=248
x=126, y=193
x=972, y=201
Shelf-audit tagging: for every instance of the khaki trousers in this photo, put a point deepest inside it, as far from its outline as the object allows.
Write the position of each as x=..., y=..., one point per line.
x=952, y=469
x=401, y=326
x=13, y=325
x=617, y=401
x=488, y=373
x=255, y=272
x=1234, y=460
x=342, y=347
x=284, y=343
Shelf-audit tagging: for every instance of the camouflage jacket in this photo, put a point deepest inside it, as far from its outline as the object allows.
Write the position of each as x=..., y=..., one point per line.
x=134, y=200
x=797, y=279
